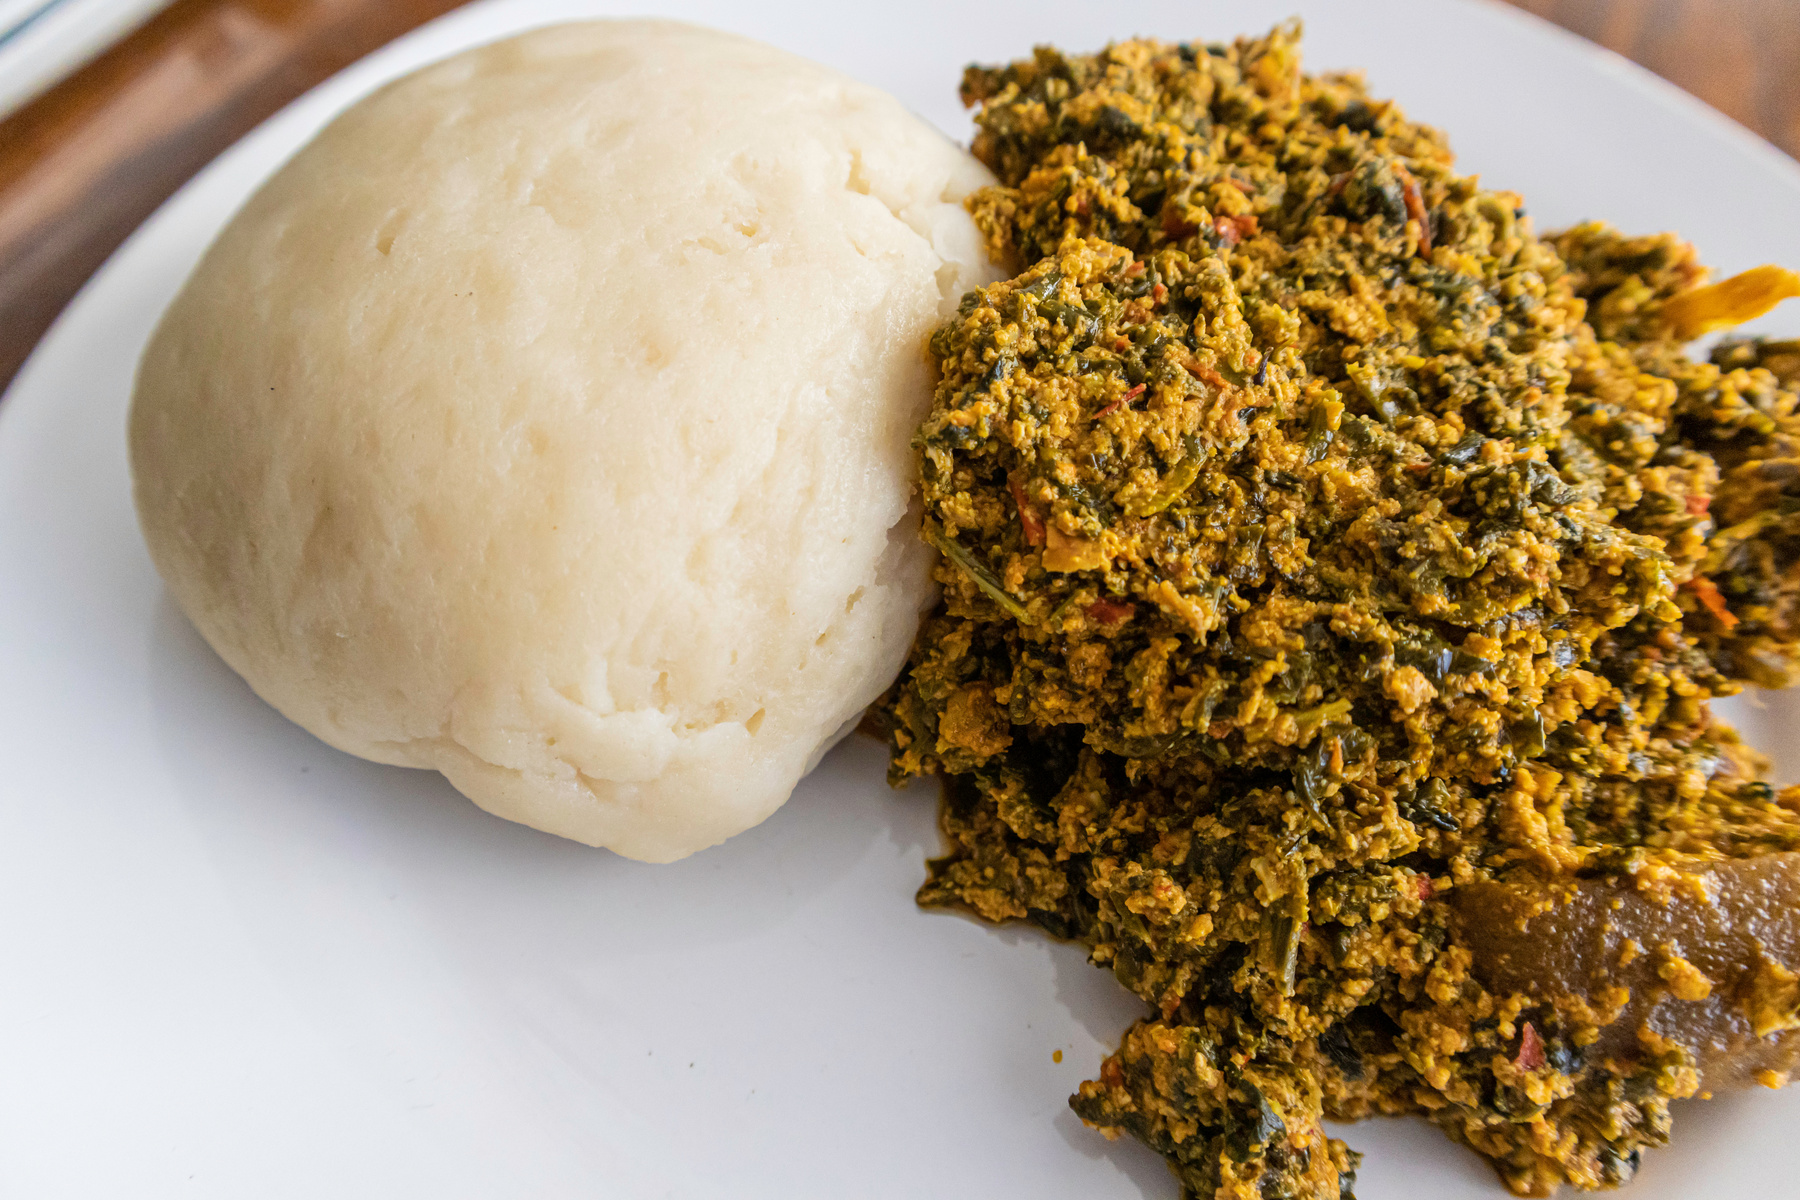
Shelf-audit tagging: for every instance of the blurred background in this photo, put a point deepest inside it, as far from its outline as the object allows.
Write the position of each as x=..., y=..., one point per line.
x=108, y=106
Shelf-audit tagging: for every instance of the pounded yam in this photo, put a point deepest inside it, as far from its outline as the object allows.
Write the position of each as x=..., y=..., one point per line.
x=545, y=422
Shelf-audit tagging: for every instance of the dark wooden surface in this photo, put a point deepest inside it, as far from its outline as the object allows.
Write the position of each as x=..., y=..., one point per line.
x=83, y=164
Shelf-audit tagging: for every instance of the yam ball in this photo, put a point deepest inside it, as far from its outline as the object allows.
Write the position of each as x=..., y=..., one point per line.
x=545, y=422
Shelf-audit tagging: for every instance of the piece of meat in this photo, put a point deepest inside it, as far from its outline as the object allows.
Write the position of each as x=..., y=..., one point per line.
x=1741, y=946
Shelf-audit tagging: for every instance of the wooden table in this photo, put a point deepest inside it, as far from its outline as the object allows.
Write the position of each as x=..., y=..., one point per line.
x=82, y=165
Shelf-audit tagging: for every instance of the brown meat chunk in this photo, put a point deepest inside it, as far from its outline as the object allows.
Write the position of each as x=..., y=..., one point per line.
x=1742, y=936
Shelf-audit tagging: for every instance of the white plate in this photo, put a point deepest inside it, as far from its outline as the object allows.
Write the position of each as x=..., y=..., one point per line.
x=234, y=963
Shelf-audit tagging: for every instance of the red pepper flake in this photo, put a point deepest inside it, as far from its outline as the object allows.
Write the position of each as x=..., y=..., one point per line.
x=1423, y=886
x=1127, y=398
x=1135, y=269
x=1232, y=230
x=1205, y=374
x=1028, y=518
x=1174, y=226
x=1121, y=345
x=1698, y=504
x=1531, y=1049
x=1415, y=207
x=1707, y=592
x=1111, y=612
x=1157, y=293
